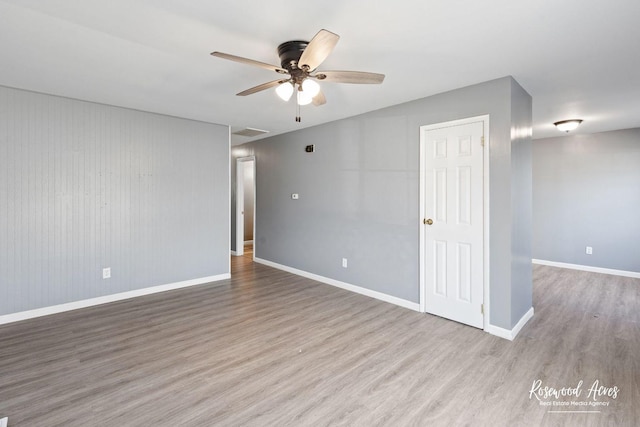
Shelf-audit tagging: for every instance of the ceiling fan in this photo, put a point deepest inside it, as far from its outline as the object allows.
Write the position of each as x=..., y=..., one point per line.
x=299, y=61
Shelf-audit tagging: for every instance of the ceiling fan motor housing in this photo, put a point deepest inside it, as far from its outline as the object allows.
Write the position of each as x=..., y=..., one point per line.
x=290, y=52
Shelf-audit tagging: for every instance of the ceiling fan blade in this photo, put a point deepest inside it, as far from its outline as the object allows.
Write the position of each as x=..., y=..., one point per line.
x=357, y=77
x=319, y=99
x=263, y=86
x=249, y=62
x=320, y=46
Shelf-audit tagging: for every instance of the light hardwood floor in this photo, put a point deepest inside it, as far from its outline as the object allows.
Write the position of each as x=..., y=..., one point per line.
x=268, y=348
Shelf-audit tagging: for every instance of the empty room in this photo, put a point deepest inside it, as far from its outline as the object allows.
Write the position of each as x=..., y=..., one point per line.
x=410, y=213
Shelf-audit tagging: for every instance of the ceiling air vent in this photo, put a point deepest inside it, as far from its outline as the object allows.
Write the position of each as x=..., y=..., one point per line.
x=250, y=132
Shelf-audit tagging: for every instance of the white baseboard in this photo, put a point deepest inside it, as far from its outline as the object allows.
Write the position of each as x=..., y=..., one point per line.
x=45, y=311
x=613, y=272
x=234, y=253
x=343, y=285
x=248, y=242
x=510, y=334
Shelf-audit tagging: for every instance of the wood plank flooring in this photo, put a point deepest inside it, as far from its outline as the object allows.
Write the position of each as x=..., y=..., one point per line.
x=268, y=348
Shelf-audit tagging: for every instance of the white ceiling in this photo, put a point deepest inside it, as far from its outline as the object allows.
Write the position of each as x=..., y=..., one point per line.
x=577, y=58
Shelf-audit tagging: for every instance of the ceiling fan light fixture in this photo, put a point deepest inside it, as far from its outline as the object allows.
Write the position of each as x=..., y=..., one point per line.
x=284, y=91
x=298, y=60
x=567, y=125
x=310, y=87
x=304, y=98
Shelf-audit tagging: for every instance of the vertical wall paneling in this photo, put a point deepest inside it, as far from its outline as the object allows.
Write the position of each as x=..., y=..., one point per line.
x=85, y=186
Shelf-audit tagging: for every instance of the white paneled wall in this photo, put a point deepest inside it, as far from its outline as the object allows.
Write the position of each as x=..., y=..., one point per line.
x=85, y=186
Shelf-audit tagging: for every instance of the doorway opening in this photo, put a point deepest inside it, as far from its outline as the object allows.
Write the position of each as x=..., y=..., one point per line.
x=245, y=205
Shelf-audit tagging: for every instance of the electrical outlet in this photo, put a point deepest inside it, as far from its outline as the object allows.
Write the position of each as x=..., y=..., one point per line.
x=295, y=196
x=589, y=250
x=106, y=273
x=344, y=263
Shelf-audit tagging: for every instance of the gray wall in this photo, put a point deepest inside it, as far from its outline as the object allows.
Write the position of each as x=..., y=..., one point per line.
x=359, y=194
x=521, y=202
x=85, y=186
x=586, y=192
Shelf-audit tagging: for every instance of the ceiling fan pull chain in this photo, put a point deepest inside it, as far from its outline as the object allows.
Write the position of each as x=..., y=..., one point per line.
x=298, y=119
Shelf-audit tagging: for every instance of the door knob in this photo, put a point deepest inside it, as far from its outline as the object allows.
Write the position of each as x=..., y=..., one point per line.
x=428, y=221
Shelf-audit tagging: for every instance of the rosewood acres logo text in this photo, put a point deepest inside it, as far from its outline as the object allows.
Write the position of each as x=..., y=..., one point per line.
x=598, y=395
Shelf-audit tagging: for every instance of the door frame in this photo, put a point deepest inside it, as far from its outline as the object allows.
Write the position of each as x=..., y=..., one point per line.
x=241, y=164
x=485, y=211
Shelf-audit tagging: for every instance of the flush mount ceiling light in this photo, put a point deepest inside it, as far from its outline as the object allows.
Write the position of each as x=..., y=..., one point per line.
x=298, y=72
x=568, y=125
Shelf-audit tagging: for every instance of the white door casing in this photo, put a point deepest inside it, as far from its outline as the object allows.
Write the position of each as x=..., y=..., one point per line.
x=452, y=235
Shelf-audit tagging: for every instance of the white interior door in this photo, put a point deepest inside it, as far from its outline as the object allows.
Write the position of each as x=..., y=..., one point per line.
x=453, y=272
x=242, y=165
x=240, y=207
